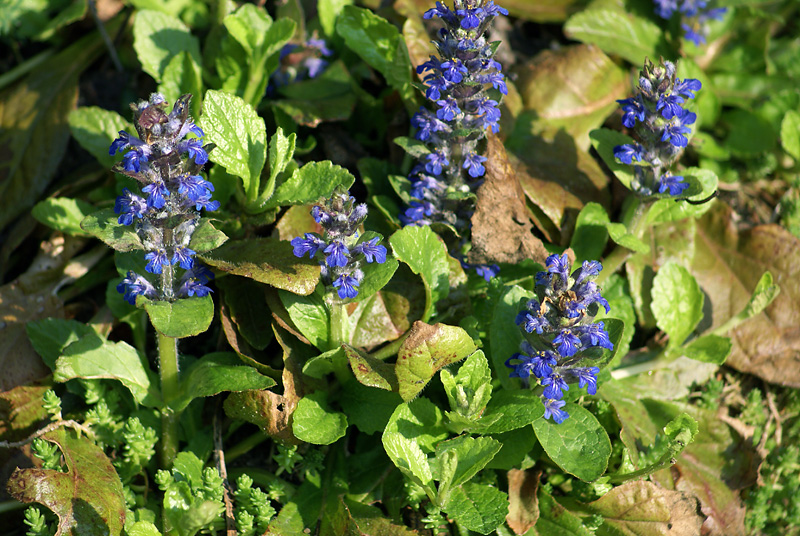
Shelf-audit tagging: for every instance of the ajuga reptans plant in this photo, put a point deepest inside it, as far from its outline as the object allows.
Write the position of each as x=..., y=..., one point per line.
x=695, y=15
x=561, y=340
x=343, y=249
x=167, y=165
x=464, y=84
x=657, y=116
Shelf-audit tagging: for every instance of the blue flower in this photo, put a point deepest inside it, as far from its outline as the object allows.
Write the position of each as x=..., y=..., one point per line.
x=486, y=271
x=474, y=163
x=310, y=244
x=337, y=254
x=673, y=183
x=129, y=206
x=156, y=260
x=567, y=343
x=629, y=152
x=448, y=109
x=195, y=149
x=687, y=87
x=633, y=110
x=372, y=251
x=156, y=193
x=532, y=322
x=670, y=105
x=587, y=377
x=555, y=386
x=552, y=408
x=595, y=335
x=135, y=285
x=194, y=187
x=436, y=161
x=470, y=18
x=183, y=256
x=453, y=71
x=346, y=286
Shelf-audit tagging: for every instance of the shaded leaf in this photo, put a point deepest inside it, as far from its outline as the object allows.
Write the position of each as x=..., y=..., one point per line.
x=555, y=520
x=478, y=507
x=267, y=261
x=310, y=316
x=543, y=10
x=248, y=309
x=504, y=334
x=216, y=373
x=104, y=226
x=33, y=124
x=604, y=140
x=523, y=502
x=206, y=237
x=183, y=75
x=93, y=357
x=309, y=183
x=63, y=214
x=50, y=336
x=790, y=134
x=367, y=408
x=427, y=349
x=87, y=498
x=21, y=411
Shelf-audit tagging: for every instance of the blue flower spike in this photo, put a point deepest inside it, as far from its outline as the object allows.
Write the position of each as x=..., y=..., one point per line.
x=345, y=248
x=166, y=213
x=695, y=16
x=658, y=117
x=558, y=327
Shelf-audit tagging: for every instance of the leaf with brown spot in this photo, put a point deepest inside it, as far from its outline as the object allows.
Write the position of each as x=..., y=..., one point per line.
x=501, y=224
x=87, y=498
x=370, y=371
x=373, y=323
x=728, y=264
x=643, y=508
x=266, y=260
x=21, y=410
x=573, y=88
x=523, y=503
x=427, y=349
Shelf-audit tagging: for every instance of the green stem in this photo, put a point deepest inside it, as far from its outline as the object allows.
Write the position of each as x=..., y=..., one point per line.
x=245, y=446
x=339, y=335
x=170, y=390
x=620, y=254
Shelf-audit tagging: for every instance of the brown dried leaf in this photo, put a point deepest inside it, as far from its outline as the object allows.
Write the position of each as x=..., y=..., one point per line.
x=642, y=508
x=501, y=224
x=728, y=263
x=523, y=503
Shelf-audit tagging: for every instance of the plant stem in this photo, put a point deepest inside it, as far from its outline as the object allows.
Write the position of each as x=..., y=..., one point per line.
x=620, y=254
x=170, y=389
x=245, y=445
x=339, y=335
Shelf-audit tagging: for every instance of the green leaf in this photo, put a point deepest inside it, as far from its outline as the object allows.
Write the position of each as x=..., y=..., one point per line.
x=790, y=134
x=281, y=151
x=516, y=409
x=763, y=295
x=703, y=183
x=423, y=251
x=419, y=421
x=615, y=291
x=677, y=302
x=331, y=96
x=93, y=357
x=34, y=130
x=328, y=12
x=604, y=140
x=142, y=528
x=618, y=32
x=182, y=75
x=310, y=315
x=368, y=409
x=182, y=318
x=425, y=350
x=63, y=214
x=50, y=336
x=309, y=183
x=592, y=230
x=266, y=260
x=103, y=225
x=380, y=45
x=555, y=520
x=315, y=422
x=249, y=26
x=216, y=373
x=416, y=148
x=478, y=507
x=709, y=349
x=158, y=37
x=472, y=453
x=473, y=377
x=95, y=128
x=88, y=498
x=579, y=445
x=376, y=275
x=240, y=136
x=206, y=237
x=504, y=334
x=749, y=134
x=409, y=458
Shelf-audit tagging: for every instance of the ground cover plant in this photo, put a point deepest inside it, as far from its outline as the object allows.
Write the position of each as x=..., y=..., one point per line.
x=361, y=267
